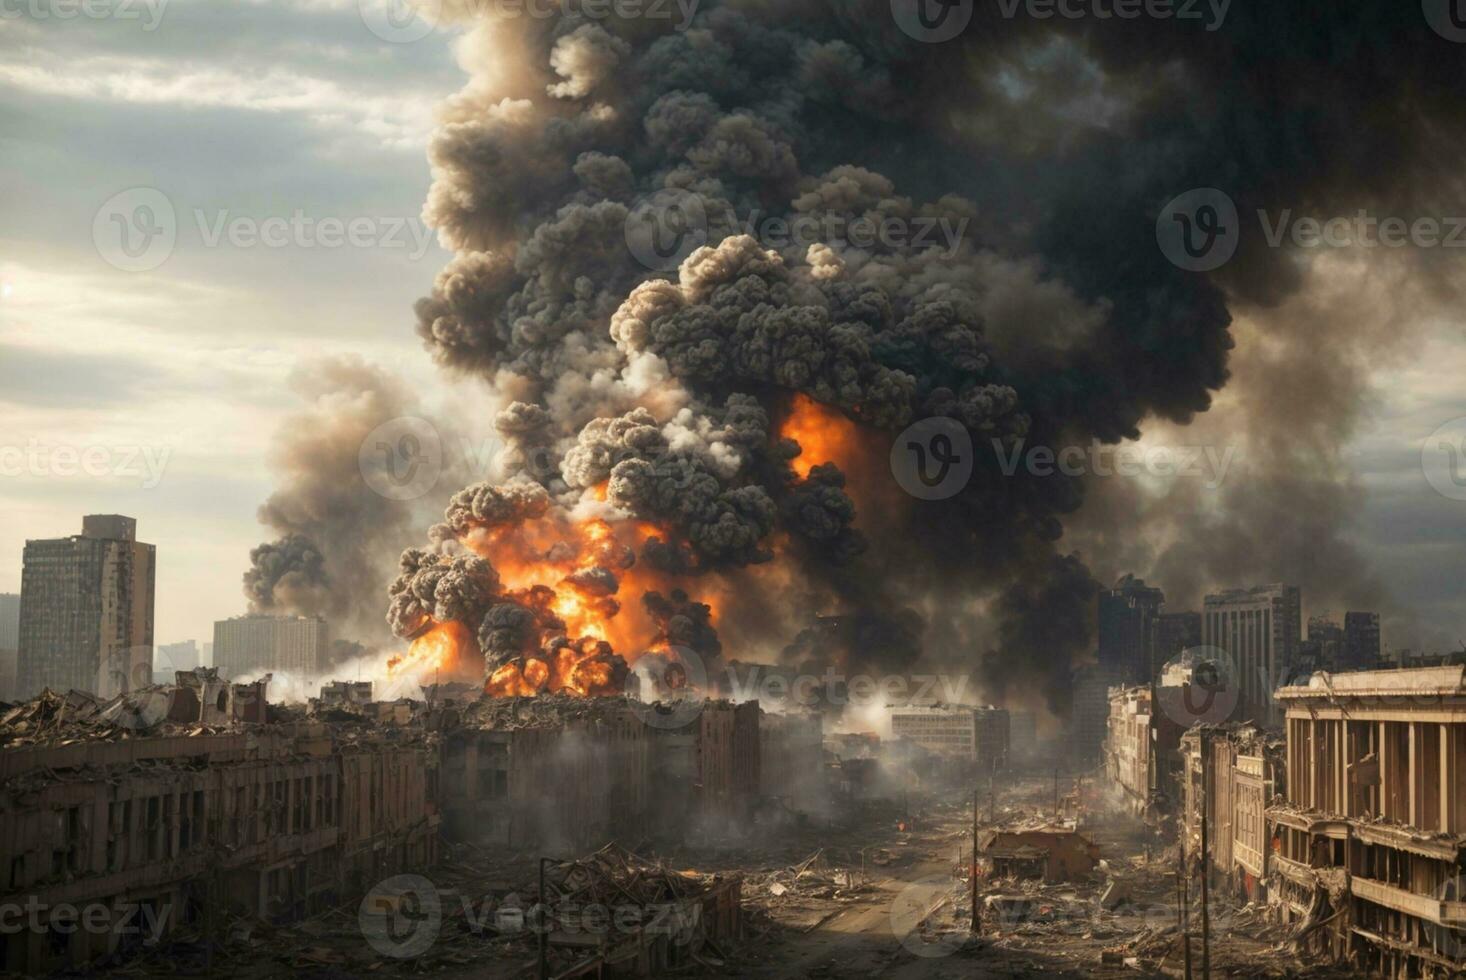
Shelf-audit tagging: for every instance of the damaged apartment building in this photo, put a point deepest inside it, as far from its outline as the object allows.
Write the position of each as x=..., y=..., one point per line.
x=1142, y=753
x=167, y=805
x=1371, y=841
x=1230, y=774
x=568, y=772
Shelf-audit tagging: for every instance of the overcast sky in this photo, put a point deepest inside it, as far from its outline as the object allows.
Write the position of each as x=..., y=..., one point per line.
x=164, y=372
x=232, y=110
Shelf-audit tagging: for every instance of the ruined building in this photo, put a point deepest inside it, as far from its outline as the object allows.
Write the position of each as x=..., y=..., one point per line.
x=1371, y=843
x=1142, y=753
x=86, y=610
x=977, y=735
x=166, y=807
x=1230, y=773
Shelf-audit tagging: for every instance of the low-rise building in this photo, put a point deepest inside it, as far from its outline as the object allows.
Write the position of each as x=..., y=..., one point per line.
x=978, y=735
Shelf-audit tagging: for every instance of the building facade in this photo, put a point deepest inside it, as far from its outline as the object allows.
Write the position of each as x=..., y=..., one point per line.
x=1361, y=641
x=979, y=735
x=1126, y=617
x=1371, y=842
x=9, y=621
x=86, y=610
x=295, y=645
x=1230, y=773
x=1171, y=633
x=1142, y=753
x=1260, y=630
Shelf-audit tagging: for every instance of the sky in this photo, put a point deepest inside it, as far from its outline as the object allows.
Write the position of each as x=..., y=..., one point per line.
x=149, y=379
x=167, y=383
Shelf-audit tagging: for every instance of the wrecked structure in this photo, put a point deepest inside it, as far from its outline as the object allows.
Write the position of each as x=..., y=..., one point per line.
x=1047, y=851
x=1142, y=753
x=172, y=806
x=1371, y=842
x=791, y=756
x=1231, y=773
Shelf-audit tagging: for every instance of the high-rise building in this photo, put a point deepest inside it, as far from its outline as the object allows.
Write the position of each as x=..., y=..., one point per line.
x=1125, y=616
x=169, y=658
x=279, y=644
x=86, y=610
x=1260, y=628
x=1170, y=634
x=1361, y=641
x=1327, y=636
x=979, y=734
x=9, y=621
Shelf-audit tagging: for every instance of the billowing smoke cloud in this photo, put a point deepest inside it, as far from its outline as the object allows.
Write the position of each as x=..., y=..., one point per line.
x=1039, y=151
x=337, y=534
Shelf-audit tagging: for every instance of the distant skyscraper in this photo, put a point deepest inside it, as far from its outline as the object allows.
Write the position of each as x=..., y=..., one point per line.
x=1261, y=629
x=1361, y=641
x=1327, y=636
x=1125, y=616
x=86, y=610
x=169, y=658
x=9, y=621
x=280, y=644
x=1170, y=634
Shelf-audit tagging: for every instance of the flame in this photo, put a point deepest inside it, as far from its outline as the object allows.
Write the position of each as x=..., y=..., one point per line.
x=824, y=434
x=438, y=652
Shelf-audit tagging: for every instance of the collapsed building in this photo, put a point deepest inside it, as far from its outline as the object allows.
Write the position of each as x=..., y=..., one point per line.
x=1231, y=774
x=168, y=805
x=1142, y=756
x=1050, y=852
x=1371, y=841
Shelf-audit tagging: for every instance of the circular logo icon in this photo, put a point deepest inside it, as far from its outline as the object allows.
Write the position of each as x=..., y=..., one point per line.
x=932, y=459
x=400, y=917
x=399, y=21
x=1446, y=17
x=135, y=230
x=673, y=684
x=911, y=913
x=666, y=228
x=1443, y=459
x=932, y=21
x=1198, y=231
x=402, y=458
x=1199, y=686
